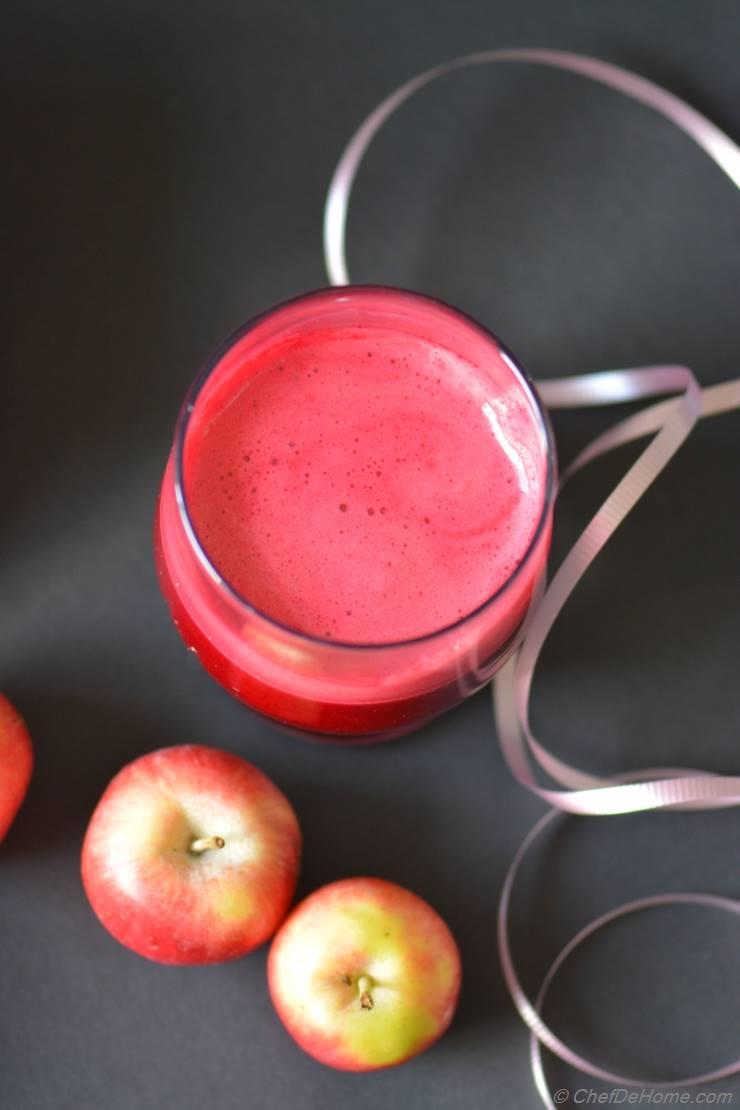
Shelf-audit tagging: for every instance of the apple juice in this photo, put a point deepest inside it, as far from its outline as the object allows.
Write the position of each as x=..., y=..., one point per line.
x=356, y=511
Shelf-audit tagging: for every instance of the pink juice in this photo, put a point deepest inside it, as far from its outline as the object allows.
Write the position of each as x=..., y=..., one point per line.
x=357, y=511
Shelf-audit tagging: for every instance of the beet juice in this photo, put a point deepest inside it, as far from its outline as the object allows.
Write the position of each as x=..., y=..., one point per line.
x=356, y=511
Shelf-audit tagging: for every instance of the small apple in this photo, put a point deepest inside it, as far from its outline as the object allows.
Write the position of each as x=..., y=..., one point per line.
x=364, y=974
x=191, y=856
x=16, y=763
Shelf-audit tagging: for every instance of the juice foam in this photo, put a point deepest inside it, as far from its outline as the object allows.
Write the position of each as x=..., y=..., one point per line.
x=364, y=485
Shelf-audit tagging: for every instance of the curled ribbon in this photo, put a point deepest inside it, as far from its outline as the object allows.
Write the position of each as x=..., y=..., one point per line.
x=668, y=423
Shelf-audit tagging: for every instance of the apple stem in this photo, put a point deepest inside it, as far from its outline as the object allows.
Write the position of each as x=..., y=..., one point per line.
x=206, y=843
x=364, y=983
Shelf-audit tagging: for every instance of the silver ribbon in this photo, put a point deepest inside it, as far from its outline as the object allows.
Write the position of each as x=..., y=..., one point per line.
x=668, y=424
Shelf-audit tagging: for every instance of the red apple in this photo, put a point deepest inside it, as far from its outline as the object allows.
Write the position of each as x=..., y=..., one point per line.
x=191, y=856
x=364, y=974
x=16, y=763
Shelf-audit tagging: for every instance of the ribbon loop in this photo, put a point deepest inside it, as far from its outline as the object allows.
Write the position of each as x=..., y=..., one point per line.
x=668, y=423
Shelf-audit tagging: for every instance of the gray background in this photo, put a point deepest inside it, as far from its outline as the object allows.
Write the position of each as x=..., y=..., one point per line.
x=165, y=166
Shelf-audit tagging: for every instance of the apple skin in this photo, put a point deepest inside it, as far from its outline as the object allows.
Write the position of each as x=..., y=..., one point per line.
x=159, y=897
x=16, y=763
x=364, y=975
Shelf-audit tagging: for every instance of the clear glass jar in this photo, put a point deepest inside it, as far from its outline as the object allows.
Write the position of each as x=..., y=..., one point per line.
x=343, y=691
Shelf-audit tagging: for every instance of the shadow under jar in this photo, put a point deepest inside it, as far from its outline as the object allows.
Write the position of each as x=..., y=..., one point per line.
x=356, y=511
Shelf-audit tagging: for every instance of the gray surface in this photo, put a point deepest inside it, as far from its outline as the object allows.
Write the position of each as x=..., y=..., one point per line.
x=167, y=165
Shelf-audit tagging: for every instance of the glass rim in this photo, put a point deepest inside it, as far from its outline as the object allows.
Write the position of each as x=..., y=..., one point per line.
x=183, y=423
